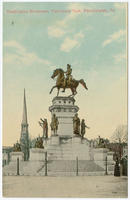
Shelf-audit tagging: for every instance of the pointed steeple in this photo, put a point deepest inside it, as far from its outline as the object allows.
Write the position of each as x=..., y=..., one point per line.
x=24, y=139
x=24, y=120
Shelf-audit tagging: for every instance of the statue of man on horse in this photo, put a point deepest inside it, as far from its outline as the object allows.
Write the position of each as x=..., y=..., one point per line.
x=66, y=82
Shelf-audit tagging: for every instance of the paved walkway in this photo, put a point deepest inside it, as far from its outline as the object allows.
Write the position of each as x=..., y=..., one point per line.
x=85, y=186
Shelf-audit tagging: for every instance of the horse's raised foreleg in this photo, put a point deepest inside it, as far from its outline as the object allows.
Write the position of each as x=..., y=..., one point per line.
x=52, y=89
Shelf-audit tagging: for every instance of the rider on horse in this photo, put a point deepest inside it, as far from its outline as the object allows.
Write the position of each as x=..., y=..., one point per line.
x=68, y=78
x=66, y=82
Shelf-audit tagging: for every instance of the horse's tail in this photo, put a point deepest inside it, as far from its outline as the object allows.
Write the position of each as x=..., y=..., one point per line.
x=83, y=83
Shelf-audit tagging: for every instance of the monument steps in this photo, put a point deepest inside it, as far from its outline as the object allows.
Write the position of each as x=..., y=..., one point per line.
x=43, y=166
x=69, y=151
x=69, y=168
x=33, y=167
x=55, y=168
x=83, y=165
x=10, y=169
x=25, y=168
x=74, y=174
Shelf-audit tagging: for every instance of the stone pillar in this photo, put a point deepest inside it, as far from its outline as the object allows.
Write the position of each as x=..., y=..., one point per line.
x=37, y=154
x=65, y=110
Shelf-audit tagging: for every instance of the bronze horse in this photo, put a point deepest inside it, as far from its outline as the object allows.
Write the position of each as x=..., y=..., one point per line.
x=60, y=82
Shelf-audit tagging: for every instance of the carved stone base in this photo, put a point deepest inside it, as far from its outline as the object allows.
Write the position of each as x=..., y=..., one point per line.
x=37, y=154
x=65, y=110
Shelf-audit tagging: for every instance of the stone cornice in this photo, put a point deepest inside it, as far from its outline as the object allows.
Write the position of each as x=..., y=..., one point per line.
x=63, y=107
x=64, y=98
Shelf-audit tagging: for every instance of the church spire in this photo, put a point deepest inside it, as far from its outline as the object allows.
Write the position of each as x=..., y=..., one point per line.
x=24, y=139
x=24, y=120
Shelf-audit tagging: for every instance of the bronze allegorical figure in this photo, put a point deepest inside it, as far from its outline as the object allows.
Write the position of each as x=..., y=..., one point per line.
x=44, y=125
x=76, y=124
x=17, y=147
x=54, y=124
x=83, y=127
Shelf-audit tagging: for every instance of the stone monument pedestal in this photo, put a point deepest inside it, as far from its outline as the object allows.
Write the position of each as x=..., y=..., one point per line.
x=37, y=154
x=15, y=155
x=65, y=110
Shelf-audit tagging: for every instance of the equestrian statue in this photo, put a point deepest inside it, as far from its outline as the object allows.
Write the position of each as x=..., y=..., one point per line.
x=67, y=81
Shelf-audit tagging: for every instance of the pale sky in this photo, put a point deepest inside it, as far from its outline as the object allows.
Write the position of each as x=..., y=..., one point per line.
x=34, y=44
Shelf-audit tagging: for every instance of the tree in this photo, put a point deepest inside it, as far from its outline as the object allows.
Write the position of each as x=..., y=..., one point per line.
x=120, y=138
x=120, y=135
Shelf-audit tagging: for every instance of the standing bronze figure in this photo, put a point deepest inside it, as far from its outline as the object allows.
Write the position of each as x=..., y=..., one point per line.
x=17, y=147
x=54, y=124
x=67, y=82
x=39, y=143
x=76, y=124
x=83, y=128
x=44, y=125
x=101, y=142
